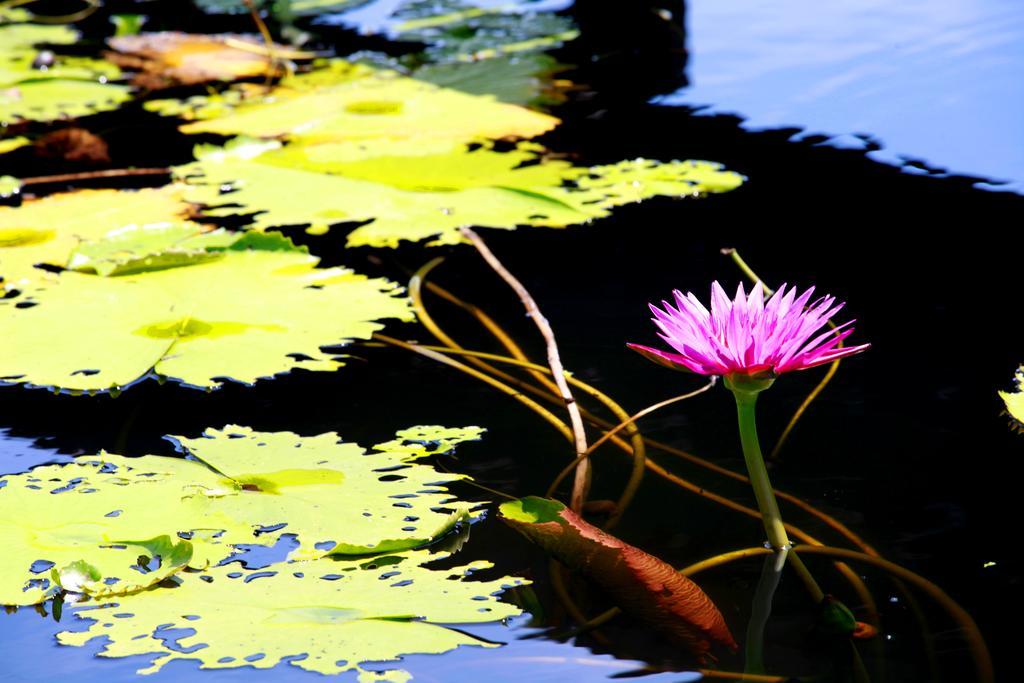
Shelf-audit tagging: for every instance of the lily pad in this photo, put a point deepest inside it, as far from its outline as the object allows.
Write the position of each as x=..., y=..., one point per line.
x=1014, y=400
x=328, y=616
x=63, y=524
x=431, y=194
x=48, y=230
x=640, y=583
x=241, y=488
x=260, y=309
x=39, y=85
x=344, y=102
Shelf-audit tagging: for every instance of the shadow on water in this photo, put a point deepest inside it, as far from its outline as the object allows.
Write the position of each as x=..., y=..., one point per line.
x=908, y=445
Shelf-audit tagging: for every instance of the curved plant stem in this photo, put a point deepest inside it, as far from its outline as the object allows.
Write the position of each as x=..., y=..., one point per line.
x=639, y=458
x=504, y=388
x=971, y=634
x=90, y=175
x=622, y=425
x=863, y=594
x=581, y=483
x=537, y=371
x=268, y=40
x=833, y=367
x=419, y=280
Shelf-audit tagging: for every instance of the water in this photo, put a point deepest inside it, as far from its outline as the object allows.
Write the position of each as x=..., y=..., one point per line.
x=936, y=84
x=907, y=446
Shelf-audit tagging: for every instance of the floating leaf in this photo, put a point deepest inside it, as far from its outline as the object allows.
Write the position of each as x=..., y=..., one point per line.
x=244, y=488
x=349, y=102
x=9, y=186
x=261, y=309
x=327, y=615
x=332, y=495
x=54, y=98
x=40, y=85
x=58, y=515
x=47, y=230
x=138, y=249
x=171, y=58
x=1014, y=400
x=431, y=194
x=22, y=60
x=640, y=583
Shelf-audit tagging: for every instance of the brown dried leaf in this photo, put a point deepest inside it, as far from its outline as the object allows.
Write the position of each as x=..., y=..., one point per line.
x=640, y=583
x=171, y=58
x=73, y=144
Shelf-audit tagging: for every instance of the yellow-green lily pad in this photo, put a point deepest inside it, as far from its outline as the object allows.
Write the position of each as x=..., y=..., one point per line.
x=416, y=190
x=260, y=309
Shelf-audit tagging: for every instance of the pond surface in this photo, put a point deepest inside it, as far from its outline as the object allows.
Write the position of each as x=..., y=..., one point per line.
x=908, y=445
x=935, y=85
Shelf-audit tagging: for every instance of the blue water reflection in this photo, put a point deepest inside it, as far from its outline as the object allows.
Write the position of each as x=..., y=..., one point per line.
x=539, y=661
x=938, y=84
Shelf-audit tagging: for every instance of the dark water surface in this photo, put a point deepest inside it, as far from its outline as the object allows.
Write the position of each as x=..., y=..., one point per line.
x=907, y=446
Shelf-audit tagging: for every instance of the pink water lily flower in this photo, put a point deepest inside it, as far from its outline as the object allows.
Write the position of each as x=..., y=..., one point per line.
x=748, y=335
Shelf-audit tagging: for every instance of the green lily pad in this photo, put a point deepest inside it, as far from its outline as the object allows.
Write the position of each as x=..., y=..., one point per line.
x=260, y=309
x=41, y=86
x=57, y=98
x=1014, y=400
x=48, y=230
x=416, y=189
x=242, y=487
x=348, y=102
x=330, y=615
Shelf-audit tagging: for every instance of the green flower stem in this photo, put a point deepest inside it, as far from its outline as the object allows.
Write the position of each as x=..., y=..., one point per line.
x=766, y=503
x=745, y=391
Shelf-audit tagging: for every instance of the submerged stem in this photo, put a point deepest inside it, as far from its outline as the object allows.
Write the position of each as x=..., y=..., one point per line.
x=771, y=574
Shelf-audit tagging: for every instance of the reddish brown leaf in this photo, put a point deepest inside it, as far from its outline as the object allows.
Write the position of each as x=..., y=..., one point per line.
x=73, y=144
x=640, y=583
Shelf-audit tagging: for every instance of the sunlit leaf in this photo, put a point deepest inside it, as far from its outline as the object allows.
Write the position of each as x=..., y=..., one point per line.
x=37, y=84
x=56, y=98
x=326, y=616
x=48, y=230
x=261, y=309
x=171, y=58
x=640, y=583
x=1014, y=400
x=59, y=515
x=141, y=248
x=11, y=144
x=333, y=496
x=76, y=525
x=344, y=102
x=415, y=190
x=22, y=58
